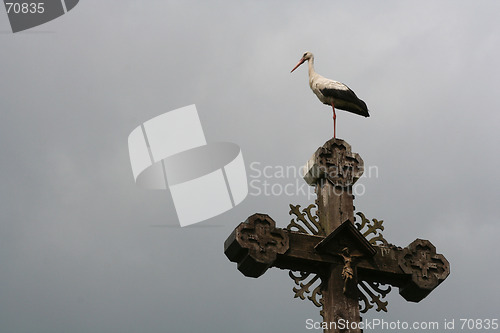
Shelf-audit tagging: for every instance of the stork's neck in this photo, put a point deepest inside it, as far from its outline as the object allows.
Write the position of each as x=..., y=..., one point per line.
x=310, y=63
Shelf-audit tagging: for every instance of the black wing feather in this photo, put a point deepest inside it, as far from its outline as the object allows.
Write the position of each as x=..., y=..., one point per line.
x=347, y=100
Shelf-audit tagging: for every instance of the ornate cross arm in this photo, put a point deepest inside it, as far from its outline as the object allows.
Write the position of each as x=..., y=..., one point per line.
x=257, y=245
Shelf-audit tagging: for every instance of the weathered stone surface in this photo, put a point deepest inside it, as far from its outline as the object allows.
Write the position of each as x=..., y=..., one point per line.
x=255, y=243
x=335, y=162
x=427, y=269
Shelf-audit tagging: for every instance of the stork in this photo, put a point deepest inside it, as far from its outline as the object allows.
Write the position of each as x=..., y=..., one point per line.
x=333, y=93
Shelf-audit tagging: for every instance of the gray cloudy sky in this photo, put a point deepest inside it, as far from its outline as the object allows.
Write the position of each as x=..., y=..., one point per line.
x=82, y=249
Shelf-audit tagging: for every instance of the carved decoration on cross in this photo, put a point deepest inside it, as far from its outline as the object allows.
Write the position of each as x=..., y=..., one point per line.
x=342, y=265
x=255, y=244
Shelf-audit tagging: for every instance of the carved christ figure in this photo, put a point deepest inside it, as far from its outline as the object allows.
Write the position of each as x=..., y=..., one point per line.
x=347, y=271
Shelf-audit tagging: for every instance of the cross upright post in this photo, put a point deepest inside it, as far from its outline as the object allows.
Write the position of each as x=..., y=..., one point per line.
x=351, y=261
x=333, y=170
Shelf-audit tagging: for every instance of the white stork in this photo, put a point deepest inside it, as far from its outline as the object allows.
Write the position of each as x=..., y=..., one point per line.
x=333, y=93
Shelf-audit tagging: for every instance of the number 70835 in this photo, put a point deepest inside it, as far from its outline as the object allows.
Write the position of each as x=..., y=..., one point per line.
x=478, y=324
x=25, y=7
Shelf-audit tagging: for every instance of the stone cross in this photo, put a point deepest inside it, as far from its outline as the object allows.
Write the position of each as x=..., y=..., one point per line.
x=331, y=248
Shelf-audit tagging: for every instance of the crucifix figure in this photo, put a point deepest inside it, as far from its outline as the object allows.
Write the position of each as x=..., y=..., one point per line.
x=349, y=262
x=347, y=271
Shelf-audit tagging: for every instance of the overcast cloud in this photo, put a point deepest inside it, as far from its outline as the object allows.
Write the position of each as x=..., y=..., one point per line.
x=83, y=249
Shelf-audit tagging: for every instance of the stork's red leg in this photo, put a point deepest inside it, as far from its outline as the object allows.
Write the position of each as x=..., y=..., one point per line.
x=334, y=122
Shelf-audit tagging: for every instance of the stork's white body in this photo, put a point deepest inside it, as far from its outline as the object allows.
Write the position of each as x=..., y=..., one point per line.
x=319, y=83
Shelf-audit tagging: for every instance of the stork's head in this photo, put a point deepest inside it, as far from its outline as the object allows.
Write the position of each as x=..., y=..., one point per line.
x=305, y=57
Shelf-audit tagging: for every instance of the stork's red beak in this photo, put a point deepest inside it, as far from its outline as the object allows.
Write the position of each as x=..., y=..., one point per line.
x=298, y=64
